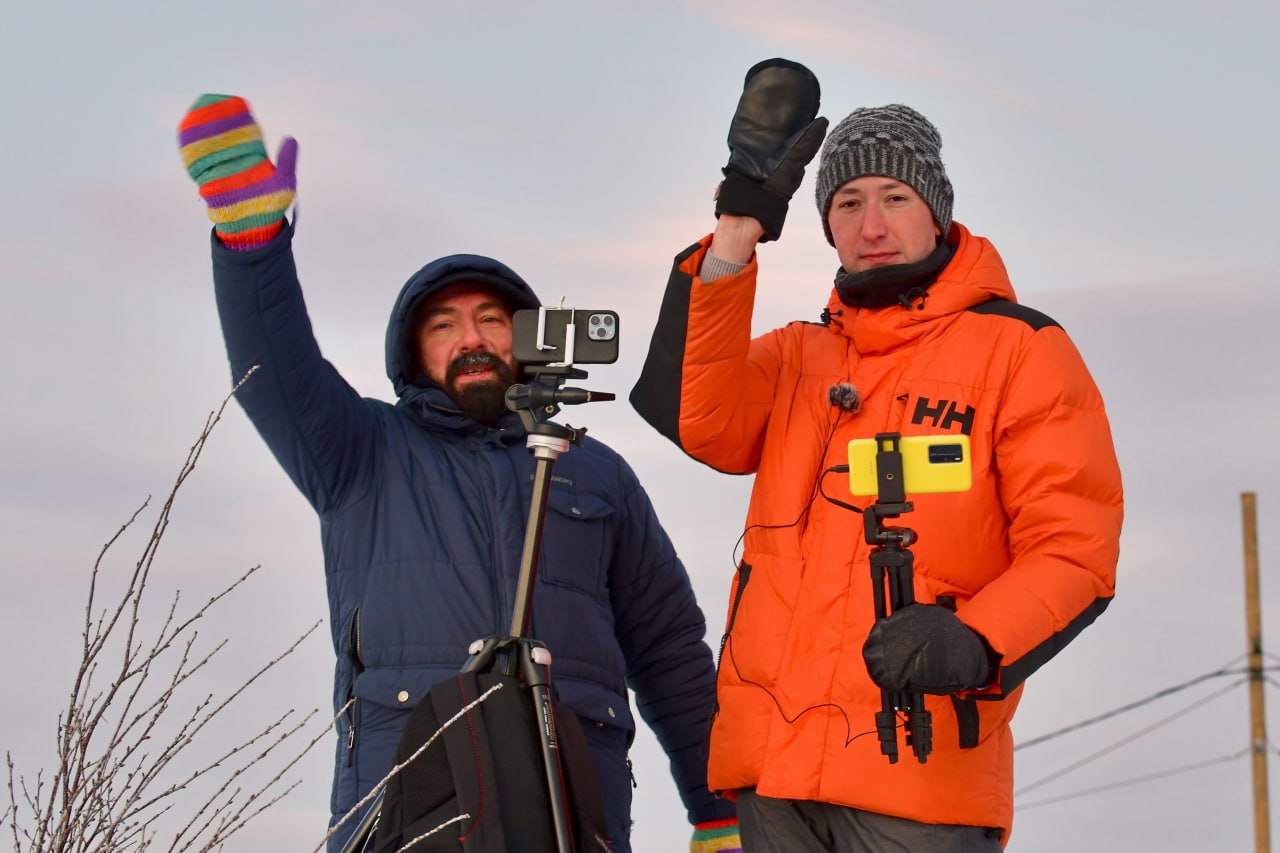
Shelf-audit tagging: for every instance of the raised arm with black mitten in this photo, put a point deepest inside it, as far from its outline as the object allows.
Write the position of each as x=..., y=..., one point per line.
x=773, y=136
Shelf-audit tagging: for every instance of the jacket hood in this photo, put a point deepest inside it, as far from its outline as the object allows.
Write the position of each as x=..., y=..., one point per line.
x=432, y=278
x=975, y=274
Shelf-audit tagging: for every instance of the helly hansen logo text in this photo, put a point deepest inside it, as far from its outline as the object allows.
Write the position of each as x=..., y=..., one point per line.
x=943, y=414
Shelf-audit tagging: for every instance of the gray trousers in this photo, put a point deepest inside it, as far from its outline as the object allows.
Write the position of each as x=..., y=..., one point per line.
x=767, y=825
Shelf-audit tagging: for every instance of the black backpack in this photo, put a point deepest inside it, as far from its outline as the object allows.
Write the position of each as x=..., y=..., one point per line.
x=487, y=765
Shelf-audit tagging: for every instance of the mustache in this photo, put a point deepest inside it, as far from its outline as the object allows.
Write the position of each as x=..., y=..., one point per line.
x=472, y=360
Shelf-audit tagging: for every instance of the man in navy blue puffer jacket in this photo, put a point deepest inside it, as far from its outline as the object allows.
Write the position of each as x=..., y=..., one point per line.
x=422, y=504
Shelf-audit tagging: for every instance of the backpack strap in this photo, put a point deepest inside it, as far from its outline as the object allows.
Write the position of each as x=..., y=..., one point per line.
x=488, y=765
x=579, y=768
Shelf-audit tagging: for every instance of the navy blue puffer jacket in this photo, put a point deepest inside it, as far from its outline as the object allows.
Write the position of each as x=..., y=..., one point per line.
x=422, y=513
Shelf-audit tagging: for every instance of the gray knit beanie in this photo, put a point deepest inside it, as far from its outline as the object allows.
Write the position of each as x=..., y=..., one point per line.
x=894, y=141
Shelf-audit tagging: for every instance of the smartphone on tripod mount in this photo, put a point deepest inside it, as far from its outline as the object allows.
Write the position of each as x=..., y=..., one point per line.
x=930, y=464
x=564, y=336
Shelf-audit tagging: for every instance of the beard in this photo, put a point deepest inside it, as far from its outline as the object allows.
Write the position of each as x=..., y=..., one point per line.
x=481, y=401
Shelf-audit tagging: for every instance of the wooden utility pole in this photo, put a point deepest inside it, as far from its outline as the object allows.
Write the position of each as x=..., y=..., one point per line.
x=1257, y=710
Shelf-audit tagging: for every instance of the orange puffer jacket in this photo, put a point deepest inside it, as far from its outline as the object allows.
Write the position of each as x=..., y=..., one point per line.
x=1029, y=553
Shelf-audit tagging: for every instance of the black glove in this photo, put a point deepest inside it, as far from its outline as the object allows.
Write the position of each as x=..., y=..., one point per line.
x=772, y=138
x=926, y=647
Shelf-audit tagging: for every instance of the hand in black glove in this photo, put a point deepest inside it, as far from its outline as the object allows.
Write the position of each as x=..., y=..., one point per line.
x=772, y=138
x=926, y=647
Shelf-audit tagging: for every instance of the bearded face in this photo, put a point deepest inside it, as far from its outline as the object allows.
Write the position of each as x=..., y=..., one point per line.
x=478, y=383
x=464, y=346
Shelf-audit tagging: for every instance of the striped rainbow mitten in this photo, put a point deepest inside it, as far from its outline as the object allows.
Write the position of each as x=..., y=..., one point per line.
x=221, y=146
x=716, y=836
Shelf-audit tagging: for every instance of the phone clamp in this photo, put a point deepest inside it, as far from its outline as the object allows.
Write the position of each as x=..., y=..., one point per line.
x=892, y=566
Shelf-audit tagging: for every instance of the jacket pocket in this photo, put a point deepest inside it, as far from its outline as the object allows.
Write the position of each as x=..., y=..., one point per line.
x=596, y=706
x=576, y=541
x=744, y=575
x=383, y=700
x=967, y=721
x=761, y=613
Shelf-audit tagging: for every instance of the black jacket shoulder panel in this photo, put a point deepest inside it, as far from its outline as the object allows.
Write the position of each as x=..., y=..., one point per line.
x=656, y=394
x=1005, y=308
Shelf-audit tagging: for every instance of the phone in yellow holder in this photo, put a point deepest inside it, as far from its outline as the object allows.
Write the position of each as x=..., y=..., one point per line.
x=930, y=464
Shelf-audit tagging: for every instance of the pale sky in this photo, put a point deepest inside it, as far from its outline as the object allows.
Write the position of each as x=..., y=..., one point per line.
x=1120, y=155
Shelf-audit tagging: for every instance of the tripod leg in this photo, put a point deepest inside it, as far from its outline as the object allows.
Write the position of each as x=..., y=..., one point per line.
x=362, y=836
x=535, y=669
x=887, y=718
x=918, y=724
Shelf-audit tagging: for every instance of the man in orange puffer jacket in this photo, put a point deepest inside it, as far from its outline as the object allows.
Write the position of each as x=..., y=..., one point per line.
x=922, y=335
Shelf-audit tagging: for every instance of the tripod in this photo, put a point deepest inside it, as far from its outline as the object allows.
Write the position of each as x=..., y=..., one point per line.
x=522, y=656
x=892, y=566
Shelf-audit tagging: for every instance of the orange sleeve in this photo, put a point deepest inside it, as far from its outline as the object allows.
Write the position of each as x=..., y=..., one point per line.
x=1061, y=489
x=706, y=384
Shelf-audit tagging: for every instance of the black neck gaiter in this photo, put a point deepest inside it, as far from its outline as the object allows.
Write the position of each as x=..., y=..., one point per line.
x=896, y=284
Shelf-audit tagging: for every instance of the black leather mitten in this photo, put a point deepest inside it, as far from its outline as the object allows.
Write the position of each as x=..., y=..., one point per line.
x=926, y=647
x=772, y=138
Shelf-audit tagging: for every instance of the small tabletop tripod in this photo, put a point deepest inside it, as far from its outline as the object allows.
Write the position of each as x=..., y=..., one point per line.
x=891, y=563
x=526, y=658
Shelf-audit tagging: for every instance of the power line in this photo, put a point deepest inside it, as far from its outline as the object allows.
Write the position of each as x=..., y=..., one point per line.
x=1138, y=779
x=1168, y=691
x=1130, y=739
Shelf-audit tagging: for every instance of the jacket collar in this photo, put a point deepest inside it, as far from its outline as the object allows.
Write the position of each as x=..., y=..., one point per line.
x=896, y=284
x=975, y=274
x=430, y=406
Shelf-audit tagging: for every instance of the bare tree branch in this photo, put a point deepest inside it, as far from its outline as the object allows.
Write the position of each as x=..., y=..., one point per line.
x=377, y=789
x=116, y=745
x=414, y=841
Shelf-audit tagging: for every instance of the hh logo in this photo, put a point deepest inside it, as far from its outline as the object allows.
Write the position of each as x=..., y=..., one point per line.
x=944, y=414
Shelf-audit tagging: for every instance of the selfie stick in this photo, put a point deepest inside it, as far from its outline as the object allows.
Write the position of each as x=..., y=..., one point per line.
x=536, y=403
x=892, y=561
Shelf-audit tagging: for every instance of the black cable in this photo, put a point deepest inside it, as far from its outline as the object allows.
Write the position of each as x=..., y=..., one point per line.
x=1168, y=691
x=849, y=736
x=822, y=479
x=1137, y=779
x=1075, y=765
x=726, y=642
x=813, y=493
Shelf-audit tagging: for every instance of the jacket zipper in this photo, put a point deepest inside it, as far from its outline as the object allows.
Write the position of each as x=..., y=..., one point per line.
x=355, y=641
x=352, y=702
x=744, y=575
x=357, y=666
x=498, y=574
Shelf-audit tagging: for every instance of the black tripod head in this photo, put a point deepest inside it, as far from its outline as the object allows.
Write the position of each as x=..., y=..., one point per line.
x=538, y=401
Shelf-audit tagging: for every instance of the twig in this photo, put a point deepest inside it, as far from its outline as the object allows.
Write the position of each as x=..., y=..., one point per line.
x=394, y=770
x=105, y=791
x=460, y=817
